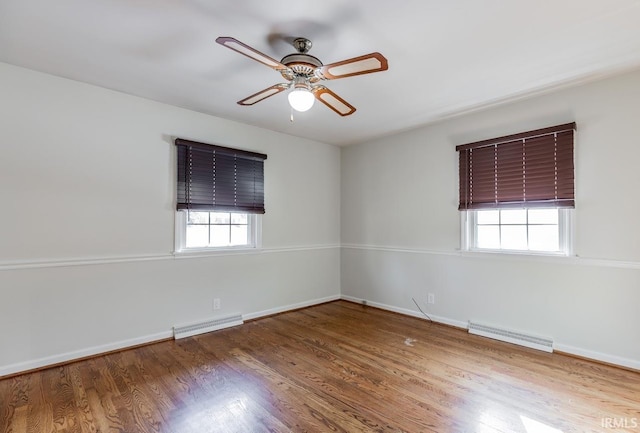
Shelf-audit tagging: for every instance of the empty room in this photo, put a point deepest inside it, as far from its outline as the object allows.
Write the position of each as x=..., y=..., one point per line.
x=339, y=216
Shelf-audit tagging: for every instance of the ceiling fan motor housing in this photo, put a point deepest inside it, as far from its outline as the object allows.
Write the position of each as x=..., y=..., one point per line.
x=300, y=64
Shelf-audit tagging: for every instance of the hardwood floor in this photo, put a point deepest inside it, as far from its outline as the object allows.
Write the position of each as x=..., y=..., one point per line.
x=337, y=367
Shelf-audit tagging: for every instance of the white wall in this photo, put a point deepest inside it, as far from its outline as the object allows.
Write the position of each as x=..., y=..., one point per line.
x=87, y=222
x=401, y=227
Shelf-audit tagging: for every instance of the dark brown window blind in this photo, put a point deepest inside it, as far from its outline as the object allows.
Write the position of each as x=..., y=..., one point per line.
x=531, y=169
x=219, y=178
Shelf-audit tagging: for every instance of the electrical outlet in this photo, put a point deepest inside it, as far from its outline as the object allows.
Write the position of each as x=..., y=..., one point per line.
x=431, y=298
x=216, y=303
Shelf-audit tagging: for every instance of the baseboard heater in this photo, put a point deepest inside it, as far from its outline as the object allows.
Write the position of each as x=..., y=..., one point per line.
x=202, y=327
x=532, y=341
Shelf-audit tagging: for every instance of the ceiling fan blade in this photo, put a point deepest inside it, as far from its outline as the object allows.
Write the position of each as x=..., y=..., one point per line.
x=333, y=101
x=366, y=64
x=263, y=94
x=252, y=53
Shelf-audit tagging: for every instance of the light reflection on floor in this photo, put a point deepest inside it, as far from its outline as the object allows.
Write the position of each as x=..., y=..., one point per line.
x=221, y=415
x=533, y=426
x=494, y=420
x=231, y=411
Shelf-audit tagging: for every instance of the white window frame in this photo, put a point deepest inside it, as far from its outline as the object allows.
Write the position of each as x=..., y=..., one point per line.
x=254, y=235
x=565, y=227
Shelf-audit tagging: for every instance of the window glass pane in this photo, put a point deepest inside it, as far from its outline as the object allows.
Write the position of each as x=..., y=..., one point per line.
x=219, y=236
x=239, y=235
x=197, y=236
x=488, y=216
x=217, y=229
x=197, y=217
x=239, y=218
x=536, y=229
x=543, y=216
x=514, y=237
x=488, y=237
x=513, y=216
x=544, y=238
x=220, y=217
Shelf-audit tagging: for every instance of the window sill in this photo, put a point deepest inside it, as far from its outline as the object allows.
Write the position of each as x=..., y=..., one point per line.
x=210, y=252
x=519, y=255
x=517, y=252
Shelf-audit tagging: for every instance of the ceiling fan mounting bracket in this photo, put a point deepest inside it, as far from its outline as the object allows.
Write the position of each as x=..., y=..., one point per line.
x=302, y=45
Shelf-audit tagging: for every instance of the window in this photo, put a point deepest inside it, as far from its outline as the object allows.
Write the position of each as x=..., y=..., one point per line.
x=218, y=229
x=517, y=192
x=220, y=196
x=543, y=230
x=198, y=230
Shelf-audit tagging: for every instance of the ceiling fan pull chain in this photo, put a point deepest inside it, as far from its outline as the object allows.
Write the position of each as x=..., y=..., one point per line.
x=291, y=118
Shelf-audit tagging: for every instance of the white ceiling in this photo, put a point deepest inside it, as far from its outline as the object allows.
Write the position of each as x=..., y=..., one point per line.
x=445, y=57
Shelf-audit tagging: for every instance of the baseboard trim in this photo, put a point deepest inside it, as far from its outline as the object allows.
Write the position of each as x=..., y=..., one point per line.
x=91, y=352
x=602, y=358
x=78, y=355
x=291, y=307
x=560, y=349
x=407, y=312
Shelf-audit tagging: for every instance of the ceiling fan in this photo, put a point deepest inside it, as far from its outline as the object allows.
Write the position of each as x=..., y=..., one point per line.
x=303, y=73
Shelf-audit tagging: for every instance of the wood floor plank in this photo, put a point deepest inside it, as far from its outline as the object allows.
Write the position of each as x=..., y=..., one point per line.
x=100, y=390
x=336, y=367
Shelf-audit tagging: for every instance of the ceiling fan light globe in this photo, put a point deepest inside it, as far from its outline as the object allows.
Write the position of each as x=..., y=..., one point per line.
x=301, y=99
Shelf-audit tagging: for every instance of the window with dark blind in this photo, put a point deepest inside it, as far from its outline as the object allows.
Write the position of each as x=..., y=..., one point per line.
x=516, y=191
x=531, y=169
x=220, y=196
x=217, y=178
